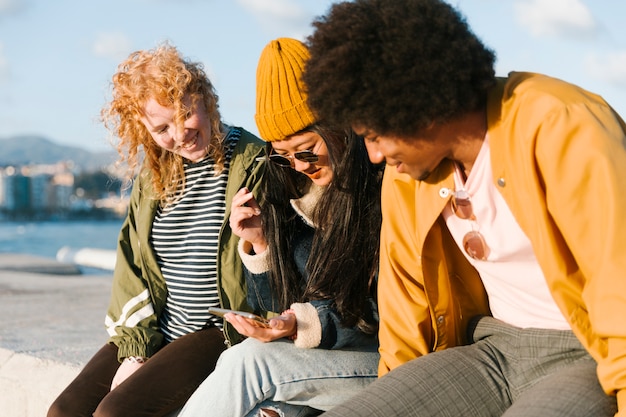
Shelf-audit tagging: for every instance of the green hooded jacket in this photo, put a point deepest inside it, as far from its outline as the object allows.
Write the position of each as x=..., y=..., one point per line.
x=139, y=291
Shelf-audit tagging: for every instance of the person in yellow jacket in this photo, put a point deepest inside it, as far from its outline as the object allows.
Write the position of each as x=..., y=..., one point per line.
x=502, y=283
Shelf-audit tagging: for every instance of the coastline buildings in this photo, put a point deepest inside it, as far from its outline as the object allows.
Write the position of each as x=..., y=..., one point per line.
x=50, y=192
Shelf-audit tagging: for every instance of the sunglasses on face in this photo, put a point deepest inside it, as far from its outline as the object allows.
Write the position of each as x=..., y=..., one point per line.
x=287, y=161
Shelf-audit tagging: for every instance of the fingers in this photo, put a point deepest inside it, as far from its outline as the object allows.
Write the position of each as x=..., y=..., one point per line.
x=252, y=203
x=245, y=198
x=125, y=370
x=240, y=215
x=243, y=208
x=285, y=322
x=243, y=326
x=246, y=328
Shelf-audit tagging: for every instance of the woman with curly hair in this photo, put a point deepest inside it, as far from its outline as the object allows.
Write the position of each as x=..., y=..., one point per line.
x=176, y=254
x=310, y=251
x=501, y=287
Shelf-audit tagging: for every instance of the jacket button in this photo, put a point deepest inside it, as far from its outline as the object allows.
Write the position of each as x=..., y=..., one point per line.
x=444, y=192
x=501, y=182
x=440, y=319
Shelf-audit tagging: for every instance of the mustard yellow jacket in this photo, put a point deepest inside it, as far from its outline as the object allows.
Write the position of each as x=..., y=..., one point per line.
x=559, y=160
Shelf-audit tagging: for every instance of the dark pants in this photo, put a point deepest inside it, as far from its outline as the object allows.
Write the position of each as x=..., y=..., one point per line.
x=160, y=386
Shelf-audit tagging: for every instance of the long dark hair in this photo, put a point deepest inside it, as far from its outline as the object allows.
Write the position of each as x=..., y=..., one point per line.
x=343, y=260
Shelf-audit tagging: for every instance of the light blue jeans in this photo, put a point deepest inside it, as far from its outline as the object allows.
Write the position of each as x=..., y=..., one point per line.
x=277, y=375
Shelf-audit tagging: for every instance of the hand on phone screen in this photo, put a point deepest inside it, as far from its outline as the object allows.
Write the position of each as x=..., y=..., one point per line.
x=252, y=318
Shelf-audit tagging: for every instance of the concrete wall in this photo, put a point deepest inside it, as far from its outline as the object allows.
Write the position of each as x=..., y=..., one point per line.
x=28, y=384
x=51, y=323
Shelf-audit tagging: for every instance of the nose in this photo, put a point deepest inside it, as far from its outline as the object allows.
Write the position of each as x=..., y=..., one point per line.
x=299, y=165
x=373, y=151
x=180, y=135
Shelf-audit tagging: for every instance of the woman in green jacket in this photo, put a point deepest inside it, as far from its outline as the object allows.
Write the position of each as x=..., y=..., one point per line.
x=176, y=254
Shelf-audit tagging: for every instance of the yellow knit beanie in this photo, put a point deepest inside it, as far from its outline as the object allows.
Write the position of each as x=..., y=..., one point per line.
x=281, y=108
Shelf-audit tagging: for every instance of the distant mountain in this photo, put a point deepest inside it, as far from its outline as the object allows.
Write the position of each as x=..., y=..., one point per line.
x=26, y=150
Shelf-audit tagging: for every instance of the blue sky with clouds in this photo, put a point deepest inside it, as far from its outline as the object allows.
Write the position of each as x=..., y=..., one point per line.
x=57, y=57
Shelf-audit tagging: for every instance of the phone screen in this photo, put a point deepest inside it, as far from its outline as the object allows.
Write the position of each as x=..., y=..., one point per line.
x=253, y=318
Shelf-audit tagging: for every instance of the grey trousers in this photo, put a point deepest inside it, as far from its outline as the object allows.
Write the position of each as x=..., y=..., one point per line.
x=506, y=371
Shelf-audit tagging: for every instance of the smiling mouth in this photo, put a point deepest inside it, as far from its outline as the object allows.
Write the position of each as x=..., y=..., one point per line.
x=190, y=144
x=315, y=174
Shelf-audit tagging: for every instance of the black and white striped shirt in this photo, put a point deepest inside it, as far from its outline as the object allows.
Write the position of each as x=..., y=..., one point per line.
x=185, y=238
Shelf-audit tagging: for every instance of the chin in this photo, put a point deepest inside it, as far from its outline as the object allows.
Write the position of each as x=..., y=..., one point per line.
x=322, y=182
x=193, y=156
x=321, y=177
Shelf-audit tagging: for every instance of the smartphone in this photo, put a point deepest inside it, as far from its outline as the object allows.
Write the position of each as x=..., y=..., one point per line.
x=252, y=318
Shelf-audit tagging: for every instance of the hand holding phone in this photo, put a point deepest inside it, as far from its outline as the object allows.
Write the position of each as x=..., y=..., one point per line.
x=252, y=318
x=245, y=220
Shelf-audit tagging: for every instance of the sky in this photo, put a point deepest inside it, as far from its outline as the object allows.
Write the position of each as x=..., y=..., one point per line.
x=57, y=57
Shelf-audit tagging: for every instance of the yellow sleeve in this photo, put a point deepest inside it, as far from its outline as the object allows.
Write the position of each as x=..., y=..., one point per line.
x=405, y=323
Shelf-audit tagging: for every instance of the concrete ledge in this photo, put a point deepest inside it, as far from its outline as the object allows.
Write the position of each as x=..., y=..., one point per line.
x=52, y=324
x=28, y=385
x=27, y=263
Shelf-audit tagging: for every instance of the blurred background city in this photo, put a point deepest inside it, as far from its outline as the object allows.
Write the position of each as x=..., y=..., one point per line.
x=44, y=181
x=56, y=196
x=59, y=185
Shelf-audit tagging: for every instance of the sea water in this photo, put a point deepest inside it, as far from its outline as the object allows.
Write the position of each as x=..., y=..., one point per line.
x=45, y=239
